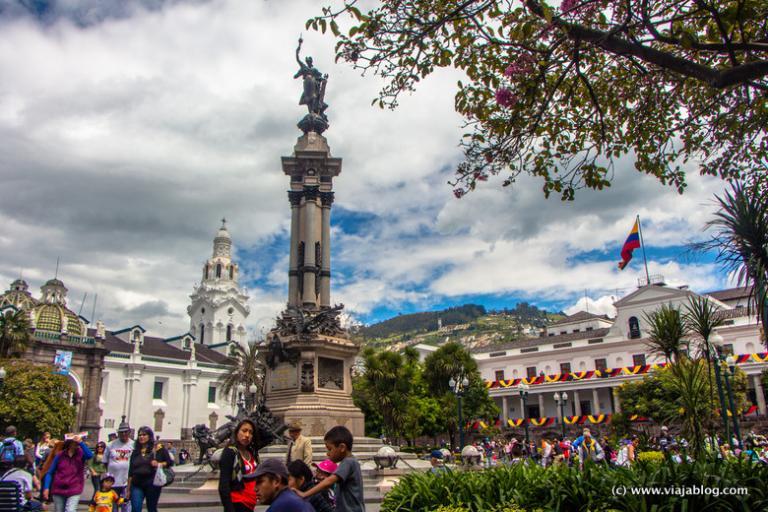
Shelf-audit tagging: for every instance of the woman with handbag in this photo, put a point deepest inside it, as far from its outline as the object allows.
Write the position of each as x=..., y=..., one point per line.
x=147, y=460
x=237, y=468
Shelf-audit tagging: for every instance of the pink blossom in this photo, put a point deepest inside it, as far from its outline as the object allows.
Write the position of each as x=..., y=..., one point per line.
x=568, y=5
x=505, y=97
x=523, y=65
x=458, y=193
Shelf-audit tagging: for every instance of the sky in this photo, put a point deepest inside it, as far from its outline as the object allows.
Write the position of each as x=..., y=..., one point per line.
x=129, y=128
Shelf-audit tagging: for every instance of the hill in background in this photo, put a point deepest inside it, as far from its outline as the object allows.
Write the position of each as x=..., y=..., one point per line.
x=470, y=324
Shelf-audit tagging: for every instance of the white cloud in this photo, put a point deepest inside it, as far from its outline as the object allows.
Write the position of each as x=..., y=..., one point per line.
x=600, y=306
x=127, y=134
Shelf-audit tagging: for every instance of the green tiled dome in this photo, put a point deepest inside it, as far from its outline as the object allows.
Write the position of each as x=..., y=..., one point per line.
x=19, y=299
x=49, y=317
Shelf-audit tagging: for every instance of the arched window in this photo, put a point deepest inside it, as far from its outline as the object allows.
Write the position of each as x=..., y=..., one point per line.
x=231, y=271
x=205, y=272
x=137, y=335
x=202, y=334
x=218, y=270
x=634, y=327
x=229, y=332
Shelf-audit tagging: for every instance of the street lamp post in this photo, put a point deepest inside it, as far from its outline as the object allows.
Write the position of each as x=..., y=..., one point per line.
x=458, y=388
x=717, y=342
x=522, y=388
x=730, y=361
x=561, y=399
x=240, y=398
x=252, y=390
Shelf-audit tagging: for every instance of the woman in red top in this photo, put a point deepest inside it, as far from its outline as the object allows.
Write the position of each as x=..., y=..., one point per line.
x=237, y=486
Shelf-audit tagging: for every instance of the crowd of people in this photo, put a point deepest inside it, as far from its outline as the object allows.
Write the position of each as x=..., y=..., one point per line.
x=550, y=449
x=129, y=473
x=122, y=471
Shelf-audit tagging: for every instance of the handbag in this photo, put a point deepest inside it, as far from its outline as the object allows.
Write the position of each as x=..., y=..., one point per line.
x=163, y=476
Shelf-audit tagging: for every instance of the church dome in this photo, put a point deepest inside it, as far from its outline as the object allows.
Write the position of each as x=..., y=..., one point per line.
x=18, y=296
x=222, y=244
x=52, y=317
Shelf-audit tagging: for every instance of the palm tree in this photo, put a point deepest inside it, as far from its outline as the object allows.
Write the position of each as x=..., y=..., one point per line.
x=701, y=319
x=247, y=370
x=689, y=382
x=15, y=333
x=667, y=332
x=741, y=241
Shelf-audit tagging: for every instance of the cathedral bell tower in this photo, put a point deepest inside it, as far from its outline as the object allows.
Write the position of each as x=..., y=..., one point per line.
x=219, y=307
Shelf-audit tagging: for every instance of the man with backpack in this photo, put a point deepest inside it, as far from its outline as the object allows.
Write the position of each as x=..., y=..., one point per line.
x=11, y=449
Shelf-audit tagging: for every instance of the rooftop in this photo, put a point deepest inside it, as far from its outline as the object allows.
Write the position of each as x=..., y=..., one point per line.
x=732, y=293
x=545, y=340
x=581, y=316
x=158, y=347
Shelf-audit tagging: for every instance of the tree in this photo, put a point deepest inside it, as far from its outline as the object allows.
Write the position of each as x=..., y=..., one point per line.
x=667, y=332
x=35, y=400
x=247, y=369
x=388, y=383
x=701, y=319
x=679, y=394
x=15, y=334
x=561, y=93
x=740, y=240
x=452, y=360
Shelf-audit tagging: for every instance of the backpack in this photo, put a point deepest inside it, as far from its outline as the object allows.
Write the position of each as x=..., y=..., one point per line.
x=8, y=451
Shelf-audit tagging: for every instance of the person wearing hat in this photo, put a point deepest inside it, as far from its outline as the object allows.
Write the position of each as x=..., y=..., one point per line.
x=105, y=498
x=665, y=440
x=117, y=457
x=299, y=447
x=300, y=479
x=272, y=487
x=436, y=459
x=323, y=470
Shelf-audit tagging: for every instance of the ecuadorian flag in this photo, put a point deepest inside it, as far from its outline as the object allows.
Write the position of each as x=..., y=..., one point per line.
x=632, y=243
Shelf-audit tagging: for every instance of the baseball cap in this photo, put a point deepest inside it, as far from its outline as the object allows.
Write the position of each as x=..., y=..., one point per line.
x=272, y=467
x=327, y=466
x=107, y=476
x=437, y=454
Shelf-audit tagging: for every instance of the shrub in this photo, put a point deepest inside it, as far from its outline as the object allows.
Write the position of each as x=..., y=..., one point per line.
x=652, y=456
x=530, y=488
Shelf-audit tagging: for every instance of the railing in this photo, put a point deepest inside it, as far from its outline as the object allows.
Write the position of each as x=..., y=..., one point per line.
x=67, y=338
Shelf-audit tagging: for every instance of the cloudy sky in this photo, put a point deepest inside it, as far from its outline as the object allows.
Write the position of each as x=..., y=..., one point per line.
x=128, y=128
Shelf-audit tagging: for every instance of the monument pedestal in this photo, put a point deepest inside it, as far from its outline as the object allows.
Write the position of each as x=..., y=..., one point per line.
x=314, y=387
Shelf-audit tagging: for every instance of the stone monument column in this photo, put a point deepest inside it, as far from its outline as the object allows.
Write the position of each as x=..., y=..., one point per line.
x=293, y=265
x=309, y=355
x=310, y=240
x=325, y=268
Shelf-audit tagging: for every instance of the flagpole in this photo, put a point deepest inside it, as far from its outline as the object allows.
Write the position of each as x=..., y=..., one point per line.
x=642, y=245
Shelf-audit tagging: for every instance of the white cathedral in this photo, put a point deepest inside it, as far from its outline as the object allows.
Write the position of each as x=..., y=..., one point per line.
x=180, y=375
x=168, y=384
x=219, y=307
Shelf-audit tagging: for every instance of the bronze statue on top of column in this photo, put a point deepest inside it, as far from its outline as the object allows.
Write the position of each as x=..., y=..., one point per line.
x=313, y=95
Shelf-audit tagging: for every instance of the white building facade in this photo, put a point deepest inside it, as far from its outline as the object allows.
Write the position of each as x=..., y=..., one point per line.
x=589, y=356
x=169, y=384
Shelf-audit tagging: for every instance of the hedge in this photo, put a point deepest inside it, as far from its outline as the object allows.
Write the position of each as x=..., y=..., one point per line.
x=532, y=488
